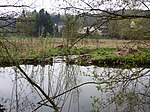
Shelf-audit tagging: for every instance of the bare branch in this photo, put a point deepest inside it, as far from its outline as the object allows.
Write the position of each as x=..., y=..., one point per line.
x=14, y=6
x=144, y=5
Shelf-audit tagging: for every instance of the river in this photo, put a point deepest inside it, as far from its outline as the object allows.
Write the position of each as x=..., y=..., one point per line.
x=116, y=89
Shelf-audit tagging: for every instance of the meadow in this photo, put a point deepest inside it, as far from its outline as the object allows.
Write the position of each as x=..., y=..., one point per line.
x=99, y=49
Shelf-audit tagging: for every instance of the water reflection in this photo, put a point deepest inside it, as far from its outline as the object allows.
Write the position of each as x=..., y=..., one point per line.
x=115, y=89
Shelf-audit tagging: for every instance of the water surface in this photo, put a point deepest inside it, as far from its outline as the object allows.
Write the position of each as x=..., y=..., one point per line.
x=59, y=77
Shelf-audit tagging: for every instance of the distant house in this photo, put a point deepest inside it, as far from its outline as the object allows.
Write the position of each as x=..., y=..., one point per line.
x=89, y=29
x=7, y=22
x=59, y=27
x=7, y=25
x=101, y=28
x=104, y=28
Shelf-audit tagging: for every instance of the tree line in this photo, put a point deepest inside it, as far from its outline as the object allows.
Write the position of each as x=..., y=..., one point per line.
x=131, y=28
x=41, y=23
x=37, y=24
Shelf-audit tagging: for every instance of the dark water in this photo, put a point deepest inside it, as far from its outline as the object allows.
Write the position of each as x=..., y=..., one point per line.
x=55, y=79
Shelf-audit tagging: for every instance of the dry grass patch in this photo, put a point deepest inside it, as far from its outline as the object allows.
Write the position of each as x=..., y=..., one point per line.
x=43, y=46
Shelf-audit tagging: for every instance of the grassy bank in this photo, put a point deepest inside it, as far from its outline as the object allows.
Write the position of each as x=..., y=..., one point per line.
x=110, y=57
x=101, y=51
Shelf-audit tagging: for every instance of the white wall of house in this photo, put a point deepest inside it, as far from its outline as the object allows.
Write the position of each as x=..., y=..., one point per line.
x=91, y=29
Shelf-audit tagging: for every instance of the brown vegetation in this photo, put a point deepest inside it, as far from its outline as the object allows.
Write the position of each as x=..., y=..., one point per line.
x=37, y=43
x=125, y=51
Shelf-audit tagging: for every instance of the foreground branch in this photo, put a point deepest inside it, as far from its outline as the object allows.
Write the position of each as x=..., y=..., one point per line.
x=54, y=106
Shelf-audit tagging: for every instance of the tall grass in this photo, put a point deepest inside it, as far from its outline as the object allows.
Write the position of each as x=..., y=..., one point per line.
x=44, y=47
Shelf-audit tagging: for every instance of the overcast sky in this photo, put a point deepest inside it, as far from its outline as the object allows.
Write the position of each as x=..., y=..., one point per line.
x=49, y=5
x=55, y=5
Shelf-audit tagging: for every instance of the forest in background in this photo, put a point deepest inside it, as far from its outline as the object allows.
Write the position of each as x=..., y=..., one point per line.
x=42, y=23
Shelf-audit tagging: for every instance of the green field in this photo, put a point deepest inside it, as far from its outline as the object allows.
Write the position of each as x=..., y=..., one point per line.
x=99, y=49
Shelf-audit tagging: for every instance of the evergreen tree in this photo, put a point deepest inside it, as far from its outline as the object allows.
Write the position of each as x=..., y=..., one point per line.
x=56, y=18
x=43, y=24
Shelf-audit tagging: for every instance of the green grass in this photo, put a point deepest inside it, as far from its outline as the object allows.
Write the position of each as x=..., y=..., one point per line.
x=102, y=53
x=47, y=47
x=107, y=55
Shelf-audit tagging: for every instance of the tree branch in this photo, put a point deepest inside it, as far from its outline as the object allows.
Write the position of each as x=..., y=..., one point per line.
x=14, y=6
